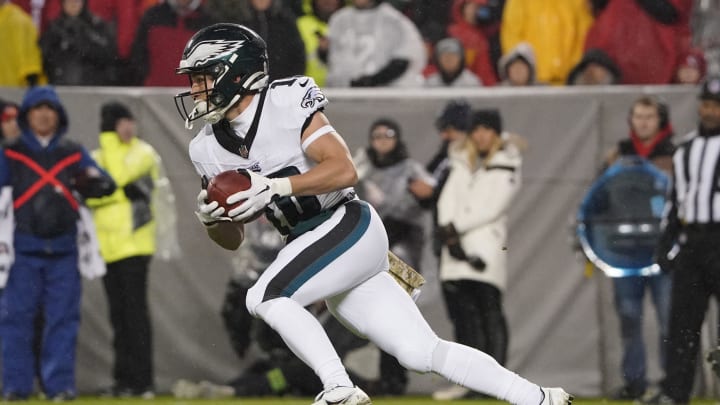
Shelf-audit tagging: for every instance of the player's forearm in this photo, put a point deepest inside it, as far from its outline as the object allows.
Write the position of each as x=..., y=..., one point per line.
x=329, y=175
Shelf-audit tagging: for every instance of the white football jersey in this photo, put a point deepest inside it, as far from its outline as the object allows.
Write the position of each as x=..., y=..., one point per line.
x=276, y=150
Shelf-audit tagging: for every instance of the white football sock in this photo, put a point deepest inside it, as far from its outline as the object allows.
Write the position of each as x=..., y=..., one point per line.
x=478, y=371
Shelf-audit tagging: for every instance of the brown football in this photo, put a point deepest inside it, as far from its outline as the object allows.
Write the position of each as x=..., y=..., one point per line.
x=225, y=184
x=228, y=235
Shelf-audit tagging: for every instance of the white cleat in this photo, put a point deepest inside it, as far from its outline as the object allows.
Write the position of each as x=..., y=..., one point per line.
x=450, y=393
x=184, y=389
x=555, y=396
x=343, y=396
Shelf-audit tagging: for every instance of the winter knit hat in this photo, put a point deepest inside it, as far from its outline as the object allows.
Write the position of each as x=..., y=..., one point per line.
x=455, y=115
x=111, y=113
x=449, y=45
x=487, y=118
x=392, y=125
x=711, y=88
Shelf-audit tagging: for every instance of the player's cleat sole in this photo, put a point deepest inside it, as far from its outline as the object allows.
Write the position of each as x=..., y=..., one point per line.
x=555, y=396
x=343, y=396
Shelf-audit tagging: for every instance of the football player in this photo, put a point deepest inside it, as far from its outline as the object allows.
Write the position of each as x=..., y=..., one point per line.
x=302, y=180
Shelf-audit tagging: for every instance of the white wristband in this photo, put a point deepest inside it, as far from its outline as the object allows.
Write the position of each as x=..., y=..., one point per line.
x=281, y=187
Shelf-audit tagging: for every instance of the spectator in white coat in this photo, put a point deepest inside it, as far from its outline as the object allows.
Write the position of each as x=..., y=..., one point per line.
x=472, y=217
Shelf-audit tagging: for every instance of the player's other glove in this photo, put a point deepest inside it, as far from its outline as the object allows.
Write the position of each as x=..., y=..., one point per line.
x=209, y=212
x=262, y=192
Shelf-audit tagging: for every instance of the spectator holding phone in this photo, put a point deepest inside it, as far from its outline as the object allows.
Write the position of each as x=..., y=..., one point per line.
x=385, y=171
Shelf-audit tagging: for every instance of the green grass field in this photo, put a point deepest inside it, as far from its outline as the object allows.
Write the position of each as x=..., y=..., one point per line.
x=308, y=401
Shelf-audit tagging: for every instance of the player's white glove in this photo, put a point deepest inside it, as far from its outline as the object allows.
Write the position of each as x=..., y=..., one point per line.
x=261, y=193
x=209, y=213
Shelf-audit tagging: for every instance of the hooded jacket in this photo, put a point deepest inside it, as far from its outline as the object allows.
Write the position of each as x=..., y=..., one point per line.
x=461, y=77
x=19, y=47
x=555, y=29
x=476, y=43
x=44, y=181
x=522, y=51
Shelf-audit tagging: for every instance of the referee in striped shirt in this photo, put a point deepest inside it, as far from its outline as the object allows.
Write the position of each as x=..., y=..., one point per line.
x=693, y=221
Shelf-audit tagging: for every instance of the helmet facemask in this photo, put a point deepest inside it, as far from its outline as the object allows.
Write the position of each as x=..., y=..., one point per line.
x=209, y=103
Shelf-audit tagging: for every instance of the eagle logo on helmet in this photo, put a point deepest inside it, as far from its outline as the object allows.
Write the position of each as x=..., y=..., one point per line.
x=207, y=51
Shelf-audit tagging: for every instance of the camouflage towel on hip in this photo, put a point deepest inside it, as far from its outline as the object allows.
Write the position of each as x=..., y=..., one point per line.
x=406, y=276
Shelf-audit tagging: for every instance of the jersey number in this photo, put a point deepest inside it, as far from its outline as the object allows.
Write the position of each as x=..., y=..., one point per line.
x=287, y=82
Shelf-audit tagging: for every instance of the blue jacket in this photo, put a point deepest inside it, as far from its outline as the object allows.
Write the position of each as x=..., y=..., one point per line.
x=46, y=208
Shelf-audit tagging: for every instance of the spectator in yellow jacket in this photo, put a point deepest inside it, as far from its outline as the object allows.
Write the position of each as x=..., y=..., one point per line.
x=126, y=231
x=555, y=29
x=313, y=30
x=21, y=62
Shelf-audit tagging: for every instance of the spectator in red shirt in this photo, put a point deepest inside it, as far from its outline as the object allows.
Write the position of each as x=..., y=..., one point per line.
x=475, y=35
x=161, y=36
x=644, y=37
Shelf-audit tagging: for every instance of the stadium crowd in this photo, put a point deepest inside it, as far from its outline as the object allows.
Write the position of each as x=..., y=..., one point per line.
x=360, y=43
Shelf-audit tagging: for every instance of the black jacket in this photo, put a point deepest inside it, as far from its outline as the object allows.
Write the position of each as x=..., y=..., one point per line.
x=79, y=51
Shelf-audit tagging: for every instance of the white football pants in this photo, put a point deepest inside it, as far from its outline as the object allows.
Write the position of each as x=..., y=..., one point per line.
x=344, y=261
